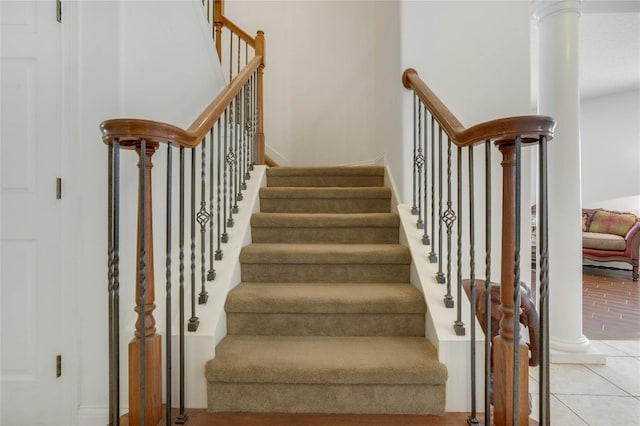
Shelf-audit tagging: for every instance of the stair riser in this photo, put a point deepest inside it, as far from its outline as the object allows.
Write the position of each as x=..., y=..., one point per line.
x=326, y=398
x=324, y=205
x=324, y=181
x=343, y=273
x=265, y=324
x=325, y=235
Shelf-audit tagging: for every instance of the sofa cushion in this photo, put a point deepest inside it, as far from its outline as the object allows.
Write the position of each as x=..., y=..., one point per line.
x=606, y=222
x=595, y=240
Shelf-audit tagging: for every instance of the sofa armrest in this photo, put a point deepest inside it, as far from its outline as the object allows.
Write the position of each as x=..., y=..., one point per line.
x=633, y=240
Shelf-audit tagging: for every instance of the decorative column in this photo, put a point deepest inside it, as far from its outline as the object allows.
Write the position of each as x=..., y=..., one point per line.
x=559, y=97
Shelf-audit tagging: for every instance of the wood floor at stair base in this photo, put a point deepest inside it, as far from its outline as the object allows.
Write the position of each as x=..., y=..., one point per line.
x=337, y=399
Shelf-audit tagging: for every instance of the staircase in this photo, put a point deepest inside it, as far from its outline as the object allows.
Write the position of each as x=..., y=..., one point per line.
x=325, y=319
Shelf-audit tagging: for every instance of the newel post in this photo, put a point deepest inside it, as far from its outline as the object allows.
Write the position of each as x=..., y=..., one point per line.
x=503, y=342
x=218, y=9
x=145, y=277
x=260, y=51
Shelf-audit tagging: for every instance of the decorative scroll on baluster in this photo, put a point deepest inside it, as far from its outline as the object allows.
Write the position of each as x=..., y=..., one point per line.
x=194, y=321
x=419, y=160
x=202, y=218
x=414, y=207
x=440, y=278
x=449, y=217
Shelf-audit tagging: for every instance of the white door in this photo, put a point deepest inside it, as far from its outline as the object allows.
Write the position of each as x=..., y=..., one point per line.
x=31, y=239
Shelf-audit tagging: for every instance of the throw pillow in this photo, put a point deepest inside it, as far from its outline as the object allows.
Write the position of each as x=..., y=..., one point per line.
x=607, y=222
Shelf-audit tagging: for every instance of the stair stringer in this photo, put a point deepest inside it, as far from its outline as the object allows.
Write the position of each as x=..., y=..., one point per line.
x=453, y=351
x=200, y=345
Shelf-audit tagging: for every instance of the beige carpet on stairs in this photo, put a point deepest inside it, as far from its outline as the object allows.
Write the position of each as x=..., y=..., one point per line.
x=325, y=319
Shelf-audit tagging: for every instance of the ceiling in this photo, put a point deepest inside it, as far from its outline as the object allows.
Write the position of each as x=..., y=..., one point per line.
x=609, y=47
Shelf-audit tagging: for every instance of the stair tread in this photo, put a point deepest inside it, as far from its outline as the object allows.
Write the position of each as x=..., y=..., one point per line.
x=325, y=253
x=342, y=220
x=326, y=360
x=347, y=298
x=289, y=193
x=327, y=170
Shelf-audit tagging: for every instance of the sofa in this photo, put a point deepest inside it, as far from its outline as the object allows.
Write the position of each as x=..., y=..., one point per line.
x=609, y=236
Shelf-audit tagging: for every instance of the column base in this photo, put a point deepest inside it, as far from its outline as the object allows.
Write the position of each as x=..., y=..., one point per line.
x=574, y=352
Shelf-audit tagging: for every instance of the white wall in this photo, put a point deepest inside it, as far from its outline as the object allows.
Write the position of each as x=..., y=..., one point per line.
x=475, y=57
x=323, y=85
x=148, y=59
x=610, y=136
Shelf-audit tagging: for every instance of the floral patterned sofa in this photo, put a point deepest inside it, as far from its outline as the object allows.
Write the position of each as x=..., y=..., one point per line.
x=611, y=236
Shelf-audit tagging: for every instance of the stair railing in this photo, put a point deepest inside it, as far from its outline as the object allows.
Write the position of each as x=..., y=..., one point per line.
x=215, y=156
x=437, y=133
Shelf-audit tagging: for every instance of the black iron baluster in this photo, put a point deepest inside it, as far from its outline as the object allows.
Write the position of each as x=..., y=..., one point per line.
x=473, y=417
x=230, y=56
x=487, y=294
x=182, y=416
x=449, y=218
x=225, y=222
x=458, y=324
x=440, y=278
x=211, y=275
x=414, y=208
x=236, y=141
x=202, y=218
x=194, y=321
x=220, y=205
x=143, y=279
x=542, y=239
x=167, y=342
x=516, y=283
x=113, y=230
x=433, y=257
x=425, y=236
x=246, y=133
x=419, y=162
x=242, y=184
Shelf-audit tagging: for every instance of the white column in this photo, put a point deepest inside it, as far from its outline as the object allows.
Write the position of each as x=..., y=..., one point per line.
x=559, y=97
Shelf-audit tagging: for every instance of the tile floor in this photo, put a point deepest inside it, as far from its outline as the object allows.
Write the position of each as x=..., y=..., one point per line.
x=595, y=395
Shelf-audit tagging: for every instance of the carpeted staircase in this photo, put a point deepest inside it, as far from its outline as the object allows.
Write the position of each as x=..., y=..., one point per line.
x=325, y=319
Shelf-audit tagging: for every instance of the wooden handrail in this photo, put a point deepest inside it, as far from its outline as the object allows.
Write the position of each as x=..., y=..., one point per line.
x=503, y=130
x=238, y=31
x=129, y=130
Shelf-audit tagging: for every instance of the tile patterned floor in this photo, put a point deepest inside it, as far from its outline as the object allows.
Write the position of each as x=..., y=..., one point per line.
x=601, y=395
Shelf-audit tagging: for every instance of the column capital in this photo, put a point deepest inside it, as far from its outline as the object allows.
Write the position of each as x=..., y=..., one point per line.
x=541, y=9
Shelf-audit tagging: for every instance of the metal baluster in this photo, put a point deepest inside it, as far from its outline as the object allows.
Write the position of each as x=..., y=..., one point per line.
x=458, y=325
x=230, y=162
x=542, y=238
x=254, y=125
x=114, y=281
x=419, y=161
x=211, y=275
x=202, y=218
x=252, y=116
x=194, y=320
x=182, y=416
x=449, y=217
x=230, y=56
x=247, y=133
x=220, y=205
x=414, y=208
x=487, y=293
x=143, y=279
x=433, y=257
x=242, y=136
x=237, y=196
x=440, y=278
x=473, y=418
x=425, y=237
x=225, y=221
x=516, y=284
x=167, y=342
